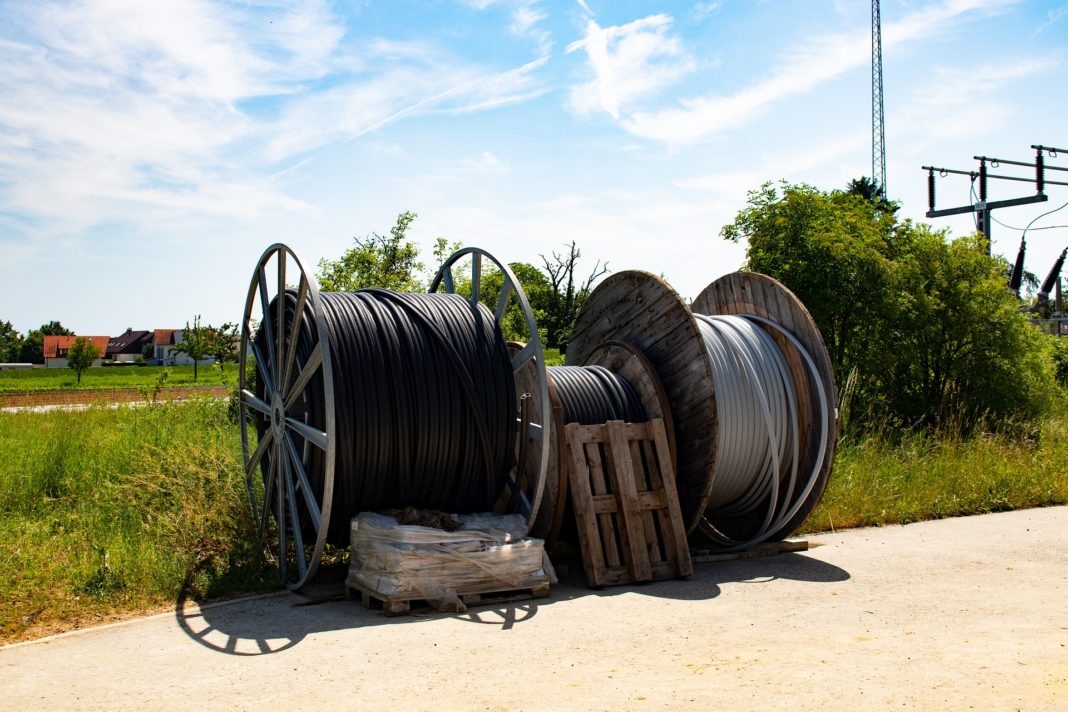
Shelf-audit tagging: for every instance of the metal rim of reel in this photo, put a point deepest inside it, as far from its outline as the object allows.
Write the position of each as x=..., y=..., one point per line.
x=284, y=385
x=531, y=355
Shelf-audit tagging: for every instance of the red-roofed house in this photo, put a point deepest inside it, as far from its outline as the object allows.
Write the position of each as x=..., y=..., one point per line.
x=57, y=347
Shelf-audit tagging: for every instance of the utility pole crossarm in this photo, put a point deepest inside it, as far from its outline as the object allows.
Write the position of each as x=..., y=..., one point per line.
x=991, y=205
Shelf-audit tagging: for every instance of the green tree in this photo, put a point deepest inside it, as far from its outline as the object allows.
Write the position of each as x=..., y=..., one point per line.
x=224, y=347
x=198, y=342
x=81, y=355
x=923, y=324
x=10, y=342
x=388, y=261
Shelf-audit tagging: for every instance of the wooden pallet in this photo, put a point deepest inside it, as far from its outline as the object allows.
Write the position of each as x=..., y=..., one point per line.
x=627, y=509
x=401, y=604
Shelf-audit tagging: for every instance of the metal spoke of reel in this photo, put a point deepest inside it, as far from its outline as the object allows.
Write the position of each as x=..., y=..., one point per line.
x=527, y=479
x=289, y=405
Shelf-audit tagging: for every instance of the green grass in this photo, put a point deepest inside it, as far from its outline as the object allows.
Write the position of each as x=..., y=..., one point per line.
x=108, y=377
x=878, y=480
x=112, y=510
x=117, y=511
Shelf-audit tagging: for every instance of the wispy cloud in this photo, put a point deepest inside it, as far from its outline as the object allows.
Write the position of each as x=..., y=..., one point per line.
x=704, y=10
x=131, y=111
x=809, y=65
x=944, y=106
x=1052, y=17
x=628, y=62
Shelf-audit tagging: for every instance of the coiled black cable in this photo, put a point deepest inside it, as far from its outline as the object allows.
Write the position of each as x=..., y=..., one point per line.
x=592, y=395
x=424, y=401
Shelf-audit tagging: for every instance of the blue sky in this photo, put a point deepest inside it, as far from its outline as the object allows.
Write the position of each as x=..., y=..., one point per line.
x=150, y=151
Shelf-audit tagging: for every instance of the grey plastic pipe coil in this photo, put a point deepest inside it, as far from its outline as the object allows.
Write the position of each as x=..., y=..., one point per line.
x=758, y=445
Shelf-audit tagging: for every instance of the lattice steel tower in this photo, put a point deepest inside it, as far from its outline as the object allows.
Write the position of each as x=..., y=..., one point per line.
x=878, y=128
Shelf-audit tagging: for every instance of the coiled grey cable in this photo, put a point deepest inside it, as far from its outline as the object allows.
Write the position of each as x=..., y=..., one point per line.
x=758, y=443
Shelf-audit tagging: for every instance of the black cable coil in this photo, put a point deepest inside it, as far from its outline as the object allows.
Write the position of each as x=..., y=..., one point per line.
x=424, y=404
x=591, y=395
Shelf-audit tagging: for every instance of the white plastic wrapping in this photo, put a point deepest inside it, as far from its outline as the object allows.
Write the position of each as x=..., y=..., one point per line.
x=488, y=553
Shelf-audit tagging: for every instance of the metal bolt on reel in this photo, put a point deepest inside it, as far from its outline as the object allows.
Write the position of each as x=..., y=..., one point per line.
x=290, y=432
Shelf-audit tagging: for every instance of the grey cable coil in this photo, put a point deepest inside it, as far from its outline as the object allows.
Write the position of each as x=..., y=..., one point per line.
x=758, y=446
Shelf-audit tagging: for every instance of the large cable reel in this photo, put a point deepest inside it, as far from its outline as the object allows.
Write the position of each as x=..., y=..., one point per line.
x=289, y=402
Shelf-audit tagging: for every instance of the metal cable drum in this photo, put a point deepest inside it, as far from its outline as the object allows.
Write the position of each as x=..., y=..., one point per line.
x=366, y=401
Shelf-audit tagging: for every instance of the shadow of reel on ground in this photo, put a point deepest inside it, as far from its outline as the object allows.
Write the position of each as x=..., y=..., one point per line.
x=277, y=622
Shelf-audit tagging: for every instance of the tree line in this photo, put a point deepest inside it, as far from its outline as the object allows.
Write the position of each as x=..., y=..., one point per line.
x=556, y=289
x=199, y=342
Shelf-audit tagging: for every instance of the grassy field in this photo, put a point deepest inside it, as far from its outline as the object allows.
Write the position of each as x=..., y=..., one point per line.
x=916, y=477
x=111, y=510
x=109, y=377
x=115, y=511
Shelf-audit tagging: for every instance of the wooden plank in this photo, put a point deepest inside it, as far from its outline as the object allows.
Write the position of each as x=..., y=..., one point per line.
x=674, y=518
x=582, y=501
x=399, y=604
x=760, y=551
x=599, y=485
x=646, y=464
x=624, y=480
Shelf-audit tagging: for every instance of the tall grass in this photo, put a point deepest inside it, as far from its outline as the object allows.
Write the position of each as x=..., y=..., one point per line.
x=897, y=478
x=120, y=509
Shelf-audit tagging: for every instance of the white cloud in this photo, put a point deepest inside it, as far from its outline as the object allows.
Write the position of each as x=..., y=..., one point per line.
x=806, y=67
x=628, y=62
x=139, y=112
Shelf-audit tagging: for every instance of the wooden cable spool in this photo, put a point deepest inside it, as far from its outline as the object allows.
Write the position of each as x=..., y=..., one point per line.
x=758, y=294
x=626, y=361
x=642, y=310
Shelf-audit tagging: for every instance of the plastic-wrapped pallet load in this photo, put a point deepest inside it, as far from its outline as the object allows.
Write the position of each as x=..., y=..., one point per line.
x=488, y=553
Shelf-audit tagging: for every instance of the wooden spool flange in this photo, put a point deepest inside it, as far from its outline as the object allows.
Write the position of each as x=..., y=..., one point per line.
x=754, y=293
x=626, y=361
x=642, y=310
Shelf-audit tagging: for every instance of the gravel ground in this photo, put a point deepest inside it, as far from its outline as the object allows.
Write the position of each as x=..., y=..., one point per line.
x=954, y=614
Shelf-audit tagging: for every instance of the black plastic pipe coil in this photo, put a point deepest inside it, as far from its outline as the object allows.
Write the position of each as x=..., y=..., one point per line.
x=424, y=401
x=592, y=395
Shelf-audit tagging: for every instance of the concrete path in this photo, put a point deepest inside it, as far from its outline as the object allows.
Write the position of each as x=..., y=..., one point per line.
x=955, y=614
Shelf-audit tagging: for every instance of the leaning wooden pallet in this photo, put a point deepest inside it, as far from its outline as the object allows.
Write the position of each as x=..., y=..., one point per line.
x=623, y=491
